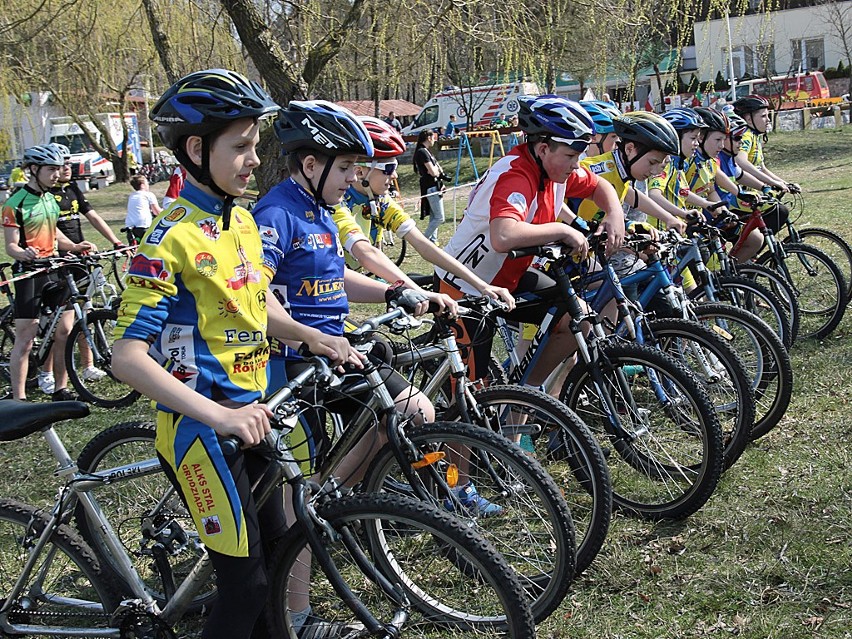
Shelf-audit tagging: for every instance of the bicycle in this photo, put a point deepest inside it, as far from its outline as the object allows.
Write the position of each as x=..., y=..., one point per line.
x=395, y=563
x=559, y=439
x=636, y=400
x=92, y=328
x=426, y=461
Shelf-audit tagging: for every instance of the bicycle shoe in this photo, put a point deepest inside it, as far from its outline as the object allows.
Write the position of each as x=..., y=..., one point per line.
x=92, y=374
x=46, y=383
x=64, y=395
x=316, y=628
x=473, y=502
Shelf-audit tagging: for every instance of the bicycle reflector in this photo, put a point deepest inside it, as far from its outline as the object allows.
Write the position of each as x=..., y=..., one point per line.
x=428, y=459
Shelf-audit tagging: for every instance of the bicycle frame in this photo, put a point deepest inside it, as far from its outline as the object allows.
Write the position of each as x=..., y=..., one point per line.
x=283, y=467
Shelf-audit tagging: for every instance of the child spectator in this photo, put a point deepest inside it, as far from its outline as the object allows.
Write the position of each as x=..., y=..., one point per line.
x=142, y=207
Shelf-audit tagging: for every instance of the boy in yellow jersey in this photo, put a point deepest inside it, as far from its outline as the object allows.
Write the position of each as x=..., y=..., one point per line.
x=197, y=301
x=367, y=211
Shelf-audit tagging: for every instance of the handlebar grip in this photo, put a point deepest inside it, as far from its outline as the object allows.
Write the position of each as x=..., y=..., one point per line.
x=717, y=205
x=230, y=445
x=524, y=252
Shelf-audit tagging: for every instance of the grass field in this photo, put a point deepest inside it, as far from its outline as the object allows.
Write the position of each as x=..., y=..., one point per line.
x=770, y=556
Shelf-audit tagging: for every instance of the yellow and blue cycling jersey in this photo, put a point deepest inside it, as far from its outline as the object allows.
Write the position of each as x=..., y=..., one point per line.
x=701, y=175
x=610, y=167
x=196, y=293
x=354, y=214
x=303, y=257
x=752, y=146
x=673, y=183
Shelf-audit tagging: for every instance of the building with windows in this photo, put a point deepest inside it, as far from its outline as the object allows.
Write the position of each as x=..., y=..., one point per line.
x=782, y=42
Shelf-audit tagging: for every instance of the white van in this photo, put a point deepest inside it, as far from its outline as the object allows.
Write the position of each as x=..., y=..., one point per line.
x=486, y=103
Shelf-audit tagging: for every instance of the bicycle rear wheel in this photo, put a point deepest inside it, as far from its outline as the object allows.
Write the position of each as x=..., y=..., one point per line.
x=457, y=584
x=564, y=447
x=108, y=391
x=65, y=588
x=533, y=529
x=668, y=457
x=147, y=514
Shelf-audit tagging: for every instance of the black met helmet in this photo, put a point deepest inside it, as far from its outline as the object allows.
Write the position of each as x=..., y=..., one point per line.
x=648, y=129
x=323, y=127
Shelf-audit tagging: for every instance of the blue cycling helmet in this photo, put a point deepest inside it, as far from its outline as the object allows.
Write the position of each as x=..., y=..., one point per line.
x=602, y=114
x=203, y=103
x=207, y=101
x=64, y=151
x=324, y=127
x=685, y=119
x=555, y=118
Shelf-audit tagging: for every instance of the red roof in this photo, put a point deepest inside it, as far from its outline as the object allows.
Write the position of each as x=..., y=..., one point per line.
x=368, y=107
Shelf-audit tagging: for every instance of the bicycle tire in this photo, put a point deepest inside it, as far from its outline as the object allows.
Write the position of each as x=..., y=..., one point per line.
x=753, y=297
x=533, y=506
x=685, y=431
x=119, y=265
x=765, y=358
x=109, y=392
x=568, y=452
x=775, y=282
x=66, y=589
x=721, y=372
x=832, y=245
x=822, y=302
x=146, y=513
x=384, y=527
x=394, y=247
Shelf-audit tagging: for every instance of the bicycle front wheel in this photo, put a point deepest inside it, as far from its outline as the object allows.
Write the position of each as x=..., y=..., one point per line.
x=65, y=587
x=456, y=583
x=566, y=449
x=832, y=245
x=519, y=508
x=660, y=423
x=145, y=511
x=105, y=391
x=818, y=284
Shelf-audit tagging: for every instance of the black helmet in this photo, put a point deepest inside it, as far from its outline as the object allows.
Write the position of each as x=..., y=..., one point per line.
x=556, y=118
x=206, y=101
x=750, y=104
x=714, y=119
x=324, y=127
x=45, y=155
x=648, y=129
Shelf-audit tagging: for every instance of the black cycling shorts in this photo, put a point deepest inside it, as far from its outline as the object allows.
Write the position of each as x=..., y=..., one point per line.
x=29, y=291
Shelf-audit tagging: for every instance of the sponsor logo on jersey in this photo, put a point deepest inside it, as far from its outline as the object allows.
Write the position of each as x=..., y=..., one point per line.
x=229, y=307
x=268, y=234
x=179, y=353
x=309, y=216
x=606, y=166
x=211, y=525
x=235, y=337
x=313, y=287
x=244, y=273
x=142, y=266
x=518, y=201
x=255, y=360
x=261, y=300
x=210, y=228
x=206, y=264
x=176, y=214
x=320, y=240
x=200, y=495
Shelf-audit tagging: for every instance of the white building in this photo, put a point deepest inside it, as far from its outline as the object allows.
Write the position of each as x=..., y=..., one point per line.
x=23, y=123
x=775, y=43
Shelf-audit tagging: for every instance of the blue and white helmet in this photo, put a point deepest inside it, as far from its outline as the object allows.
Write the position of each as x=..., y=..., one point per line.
x=556, y=118
x=324, y=127
x=685, y=119
x=64, y=151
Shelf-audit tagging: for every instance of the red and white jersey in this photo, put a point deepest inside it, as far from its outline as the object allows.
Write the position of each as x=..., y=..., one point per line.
x=508, y=189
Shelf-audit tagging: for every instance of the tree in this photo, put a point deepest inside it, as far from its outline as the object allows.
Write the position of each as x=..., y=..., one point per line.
x=838, y=15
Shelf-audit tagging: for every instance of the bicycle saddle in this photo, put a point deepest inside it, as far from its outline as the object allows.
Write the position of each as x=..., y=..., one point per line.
x=19, y=419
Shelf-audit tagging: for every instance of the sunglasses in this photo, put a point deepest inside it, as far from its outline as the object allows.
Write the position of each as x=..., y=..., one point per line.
x=387, y=168
x=737, y=138
x=578, y=145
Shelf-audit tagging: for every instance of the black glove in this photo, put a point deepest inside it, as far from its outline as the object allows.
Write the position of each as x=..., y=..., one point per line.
x=398, y=296
x=794, y=188
x=746, y=196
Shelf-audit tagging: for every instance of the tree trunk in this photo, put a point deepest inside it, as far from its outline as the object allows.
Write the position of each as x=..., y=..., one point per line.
x=161, y=42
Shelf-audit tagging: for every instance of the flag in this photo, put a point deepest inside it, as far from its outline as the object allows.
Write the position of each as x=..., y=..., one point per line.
x=648, y=105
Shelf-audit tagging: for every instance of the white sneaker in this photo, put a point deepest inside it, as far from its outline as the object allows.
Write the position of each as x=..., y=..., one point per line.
x=46, y=383
x=92, y=374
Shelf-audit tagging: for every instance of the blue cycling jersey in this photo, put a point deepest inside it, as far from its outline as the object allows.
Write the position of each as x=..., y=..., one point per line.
x=303, y=257
x=730, y=168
